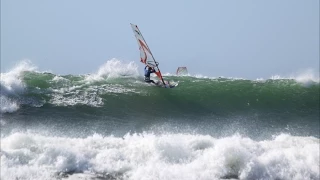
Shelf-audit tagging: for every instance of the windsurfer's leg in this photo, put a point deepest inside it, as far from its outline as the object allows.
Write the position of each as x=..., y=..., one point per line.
x=150, y=81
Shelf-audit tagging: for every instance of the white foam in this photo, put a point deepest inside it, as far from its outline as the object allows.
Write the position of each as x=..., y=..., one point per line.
x=90, y=99
x=80, y=95
x=59, y=78
x=200, y=76
x=167, y=156
x=114, y=68
x=305, y=76
x=86, y=92
x=8, y=105
x=181, y=75
x=12, y=84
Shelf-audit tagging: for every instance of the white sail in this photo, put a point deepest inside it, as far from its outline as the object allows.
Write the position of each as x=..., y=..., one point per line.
x=146, y=56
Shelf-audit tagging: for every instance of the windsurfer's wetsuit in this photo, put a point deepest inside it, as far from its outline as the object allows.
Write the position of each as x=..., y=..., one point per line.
x=147, y=73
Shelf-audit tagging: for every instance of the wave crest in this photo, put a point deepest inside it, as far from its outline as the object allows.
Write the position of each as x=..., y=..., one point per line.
x=12, y=84
x=114, y=68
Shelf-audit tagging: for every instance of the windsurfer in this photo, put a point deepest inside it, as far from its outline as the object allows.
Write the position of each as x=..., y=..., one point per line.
x=147, y=72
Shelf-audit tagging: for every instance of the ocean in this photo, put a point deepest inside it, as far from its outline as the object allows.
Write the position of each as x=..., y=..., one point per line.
x=112, y=125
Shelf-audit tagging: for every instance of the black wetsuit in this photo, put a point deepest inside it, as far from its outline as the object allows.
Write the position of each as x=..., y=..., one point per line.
x=147, y=73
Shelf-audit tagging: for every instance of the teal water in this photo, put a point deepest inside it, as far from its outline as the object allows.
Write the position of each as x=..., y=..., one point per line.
x=122, y=104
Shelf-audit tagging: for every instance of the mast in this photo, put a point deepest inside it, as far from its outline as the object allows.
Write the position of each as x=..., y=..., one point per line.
x=151, y=55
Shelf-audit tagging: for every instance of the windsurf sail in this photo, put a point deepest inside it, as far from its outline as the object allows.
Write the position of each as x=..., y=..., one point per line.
x=182, y=71
x=146, y=56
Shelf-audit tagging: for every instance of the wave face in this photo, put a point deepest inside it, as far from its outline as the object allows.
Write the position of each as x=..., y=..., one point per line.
x=112, y=125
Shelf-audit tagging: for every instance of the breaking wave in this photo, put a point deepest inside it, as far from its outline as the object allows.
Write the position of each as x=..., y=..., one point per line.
x=166, y=156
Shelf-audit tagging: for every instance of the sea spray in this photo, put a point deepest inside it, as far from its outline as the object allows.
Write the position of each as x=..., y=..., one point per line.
x=12, y=85
x=114, y=68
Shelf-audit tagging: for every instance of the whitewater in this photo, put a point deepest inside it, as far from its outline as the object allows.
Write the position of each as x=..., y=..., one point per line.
x=111, y=125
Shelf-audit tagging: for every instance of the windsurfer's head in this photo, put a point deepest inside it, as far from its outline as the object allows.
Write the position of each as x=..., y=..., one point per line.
x=150, y=68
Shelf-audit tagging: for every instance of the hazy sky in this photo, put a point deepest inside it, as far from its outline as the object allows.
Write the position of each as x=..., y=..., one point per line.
x=231, y=38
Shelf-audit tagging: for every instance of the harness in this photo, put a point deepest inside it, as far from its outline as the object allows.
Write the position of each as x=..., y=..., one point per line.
x=146, y=78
